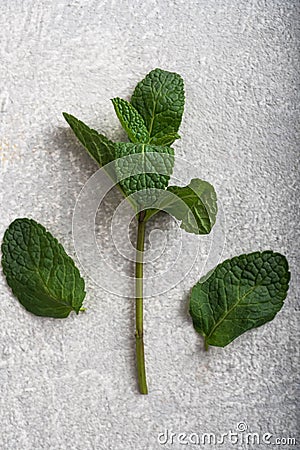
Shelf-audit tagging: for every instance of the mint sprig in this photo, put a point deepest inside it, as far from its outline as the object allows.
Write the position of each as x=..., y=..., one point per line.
x=151, y=121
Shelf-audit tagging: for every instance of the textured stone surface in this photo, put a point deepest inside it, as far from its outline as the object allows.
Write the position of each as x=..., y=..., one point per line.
x=71, y=384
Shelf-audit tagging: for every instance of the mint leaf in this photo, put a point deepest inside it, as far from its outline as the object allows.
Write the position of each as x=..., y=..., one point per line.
x=98, y=146
x=167, y=139
x=131, y=121
x=159, y=98
x=143, y=168
x=241, y=293
x=195, y=205
x=40, y=273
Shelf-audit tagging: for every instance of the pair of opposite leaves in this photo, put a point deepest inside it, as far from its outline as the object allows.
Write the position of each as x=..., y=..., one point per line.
x=239, y=294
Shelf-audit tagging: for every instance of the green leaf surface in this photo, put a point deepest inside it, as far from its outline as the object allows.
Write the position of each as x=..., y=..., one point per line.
x=131, y=121
x=159, y=98
x=195, y=205
x=100, y=148
x=40, y=273
x=167, y=139
x=241, y=293
x=143, y=168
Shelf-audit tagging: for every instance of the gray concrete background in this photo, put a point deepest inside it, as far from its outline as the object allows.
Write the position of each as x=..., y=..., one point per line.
x=71, y=384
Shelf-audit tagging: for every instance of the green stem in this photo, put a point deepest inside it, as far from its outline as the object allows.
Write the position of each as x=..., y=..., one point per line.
x=206, y=345
x=140, y=358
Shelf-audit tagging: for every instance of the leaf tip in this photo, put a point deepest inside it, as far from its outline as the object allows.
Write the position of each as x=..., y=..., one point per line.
x=66, y=116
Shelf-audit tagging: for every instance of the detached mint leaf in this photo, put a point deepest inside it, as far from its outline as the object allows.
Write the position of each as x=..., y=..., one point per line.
x=195, y=205
x=40, y=273
x=159, y=98
x=143, y=168
x=240, y=294
x=132, y=122
x=98, y=146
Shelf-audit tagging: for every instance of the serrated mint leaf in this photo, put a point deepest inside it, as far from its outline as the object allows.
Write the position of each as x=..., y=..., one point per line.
x=132, y=122
x=98, y=146
x=195, y=205
x=241, y=293
x=40, y=273
x=159, y=98
x=143, y=168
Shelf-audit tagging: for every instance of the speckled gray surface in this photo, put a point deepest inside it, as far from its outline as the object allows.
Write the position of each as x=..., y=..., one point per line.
x=70, y=384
